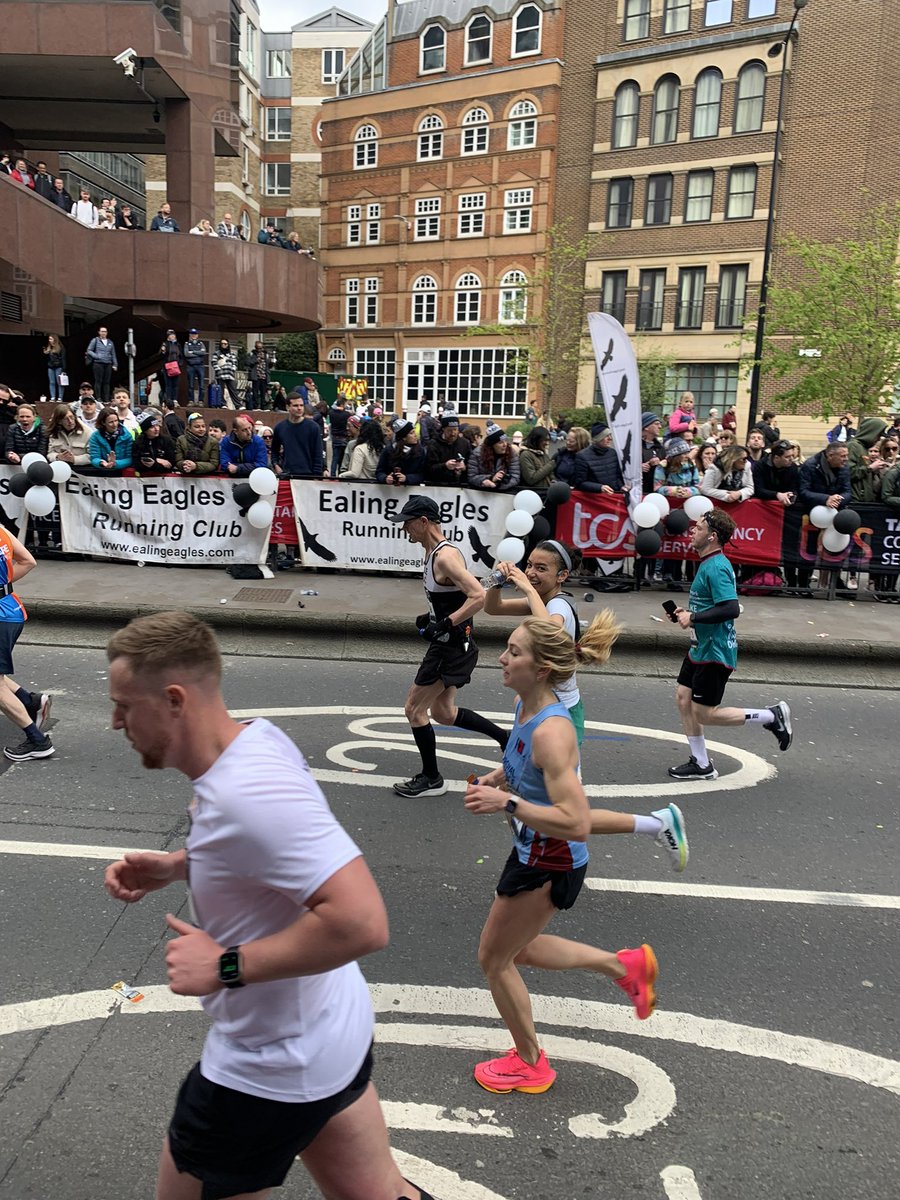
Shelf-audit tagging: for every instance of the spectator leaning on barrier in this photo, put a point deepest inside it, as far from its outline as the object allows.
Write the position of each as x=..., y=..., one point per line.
x=87, y=410
x=756, y=445
x=652, y=450
x=494, y=465
x=242, y=451
x=402, y=462
x=677, y=478
x=865, y=469
x=68, y=438
x=776, y=476
x=683, y=422
x=164, y=222
x=447, y=454
x=111, y=446
x=21, y=174
x=126, y=219
x=577, y=439
x=84, y=210
x=26, y=436
x=154, y=451
x=730, y=479
x=362, y=461
x=536, y=467
x=226, y=228
x=825, y=478
x=43, y=181
x=60, y=197
x=597, y=468
x=297, y=445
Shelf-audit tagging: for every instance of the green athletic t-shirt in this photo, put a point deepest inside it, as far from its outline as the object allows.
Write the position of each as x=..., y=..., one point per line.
x=714, y=583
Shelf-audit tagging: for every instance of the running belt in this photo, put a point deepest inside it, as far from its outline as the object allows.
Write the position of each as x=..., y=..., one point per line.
x=6, y=590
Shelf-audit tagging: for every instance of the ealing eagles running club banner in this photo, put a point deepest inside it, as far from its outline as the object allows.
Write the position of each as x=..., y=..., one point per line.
x=617, y=371
x=342, y=524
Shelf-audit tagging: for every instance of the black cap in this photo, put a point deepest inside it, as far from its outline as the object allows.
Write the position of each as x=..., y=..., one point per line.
x=416, y=506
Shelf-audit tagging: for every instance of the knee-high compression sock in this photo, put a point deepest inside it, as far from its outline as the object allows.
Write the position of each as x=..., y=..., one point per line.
x=467, y=719
x=427, y=744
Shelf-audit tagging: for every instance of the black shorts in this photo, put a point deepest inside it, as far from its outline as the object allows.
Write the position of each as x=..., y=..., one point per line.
x=450, y=663
x=564, y=885
x=706, y=681
x=235, y=1143
x=9, y=635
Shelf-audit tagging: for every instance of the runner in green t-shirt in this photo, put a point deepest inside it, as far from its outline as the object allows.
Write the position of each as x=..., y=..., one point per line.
x=710, y=616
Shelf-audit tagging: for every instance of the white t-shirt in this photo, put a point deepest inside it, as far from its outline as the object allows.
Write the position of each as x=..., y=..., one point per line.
x=262, y=841
x=567, y=691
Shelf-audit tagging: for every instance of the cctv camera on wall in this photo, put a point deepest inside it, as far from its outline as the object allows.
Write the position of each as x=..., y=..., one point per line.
x=126, y=60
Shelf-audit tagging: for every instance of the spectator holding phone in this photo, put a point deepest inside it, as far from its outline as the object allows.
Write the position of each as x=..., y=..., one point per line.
x=494, y=465
x=402, y=463
x=447, y=454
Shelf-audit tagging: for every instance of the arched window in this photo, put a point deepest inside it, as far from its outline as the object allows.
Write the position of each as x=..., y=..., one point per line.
x=513, y=298
x=365, y=150
x=424, y=301
x=337, y=355
x=479, y=32
x=432, y=46
x=467, y=309
x=707, y=103
x=626, y=113
x=522, y=126
x=527, y=30
x=246, y=226
x=475, y=131
x=431, y=137
x=750, y=99
x=664, y=126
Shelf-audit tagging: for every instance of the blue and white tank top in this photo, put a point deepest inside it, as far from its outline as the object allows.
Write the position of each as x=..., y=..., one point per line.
x=11, y=607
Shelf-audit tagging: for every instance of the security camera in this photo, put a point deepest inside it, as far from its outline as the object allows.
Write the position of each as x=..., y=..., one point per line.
x=125, y=60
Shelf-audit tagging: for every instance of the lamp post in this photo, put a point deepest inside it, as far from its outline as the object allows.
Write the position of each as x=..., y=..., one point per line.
x=780, y=48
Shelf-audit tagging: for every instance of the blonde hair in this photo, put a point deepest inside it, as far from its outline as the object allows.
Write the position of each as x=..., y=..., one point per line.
x=553, y=648
x=582, y=437
x=167, y=641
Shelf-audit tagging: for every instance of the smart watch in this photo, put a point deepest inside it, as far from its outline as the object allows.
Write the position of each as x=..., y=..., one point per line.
x=230, y=967
x=511, y=805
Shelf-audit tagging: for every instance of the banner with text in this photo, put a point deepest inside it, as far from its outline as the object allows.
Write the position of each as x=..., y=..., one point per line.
x=167, y=519
x=12, y=510
x=342, y=524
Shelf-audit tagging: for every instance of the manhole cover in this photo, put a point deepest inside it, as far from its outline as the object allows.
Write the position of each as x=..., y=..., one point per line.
x=264, y=595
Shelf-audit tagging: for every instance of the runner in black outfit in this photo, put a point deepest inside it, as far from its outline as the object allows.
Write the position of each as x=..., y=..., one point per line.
x=454, y=596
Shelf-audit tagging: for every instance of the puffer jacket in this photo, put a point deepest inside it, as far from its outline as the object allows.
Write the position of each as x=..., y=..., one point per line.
x=864, y=482
x=22, y=443
x=596, y=468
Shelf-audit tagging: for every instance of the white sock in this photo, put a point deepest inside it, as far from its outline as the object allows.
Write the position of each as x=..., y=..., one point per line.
x=651, y=825
x=764, y=716
x=698, y=750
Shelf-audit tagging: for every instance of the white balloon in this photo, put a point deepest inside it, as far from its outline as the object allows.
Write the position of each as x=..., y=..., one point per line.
x=645, y=515
x=61, y=471
x=696, y=506
x=260, y=514
x=519, y=523
x=32, y=457
x=831, y=539
x=40, y=501
x=530, y=502
x=264, y=481
x=660, y=501
x=822, y=516
x=511, y=549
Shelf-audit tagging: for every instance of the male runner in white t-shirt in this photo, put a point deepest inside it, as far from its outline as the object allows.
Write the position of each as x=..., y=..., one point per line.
x=284, y=904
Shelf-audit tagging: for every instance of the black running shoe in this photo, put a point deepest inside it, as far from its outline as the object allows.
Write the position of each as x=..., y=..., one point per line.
x=421, y=785
x=781, y=726
x=28, y=749
x=692, y=770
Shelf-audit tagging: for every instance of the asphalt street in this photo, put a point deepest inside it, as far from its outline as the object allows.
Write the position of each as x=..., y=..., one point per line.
x=769, y=1070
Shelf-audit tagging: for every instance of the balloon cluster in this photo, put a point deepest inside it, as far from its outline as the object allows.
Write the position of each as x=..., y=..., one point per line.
x=256, y=497
x=526, y=521
x=31, y=484
x=838, y=526
x=653, y=517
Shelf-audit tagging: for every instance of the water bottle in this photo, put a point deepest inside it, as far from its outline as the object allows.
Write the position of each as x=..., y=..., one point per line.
x=496, y=579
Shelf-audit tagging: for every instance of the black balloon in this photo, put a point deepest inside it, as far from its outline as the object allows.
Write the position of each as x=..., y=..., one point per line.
x=540, y=530
x=847, y=521
x=588, y=597
x=558, y=492
x=677, y=521
x=40, y=473
x=19, y=484
x=647, y=543
x=244, y=495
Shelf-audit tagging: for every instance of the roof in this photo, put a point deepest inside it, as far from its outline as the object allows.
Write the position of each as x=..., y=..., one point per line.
x=332, y=18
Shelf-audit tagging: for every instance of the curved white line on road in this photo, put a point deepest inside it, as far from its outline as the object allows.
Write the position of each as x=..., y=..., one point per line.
x=680, y=1183
x=446, y=1184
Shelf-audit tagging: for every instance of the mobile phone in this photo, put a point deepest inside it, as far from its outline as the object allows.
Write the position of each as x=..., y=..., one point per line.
x=670, y=606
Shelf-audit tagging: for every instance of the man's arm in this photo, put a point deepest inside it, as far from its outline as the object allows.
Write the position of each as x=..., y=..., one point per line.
x=454, y=571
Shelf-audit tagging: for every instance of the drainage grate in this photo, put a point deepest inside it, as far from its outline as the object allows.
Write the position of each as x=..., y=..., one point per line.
x=264, y=595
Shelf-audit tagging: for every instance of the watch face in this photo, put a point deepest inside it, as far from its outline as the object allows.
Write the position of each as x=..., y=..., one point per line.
x=230, y=967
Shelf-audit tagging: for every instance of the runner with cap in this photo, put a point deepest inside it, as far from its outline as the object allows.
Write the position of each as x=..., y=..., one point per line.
x=454, y=597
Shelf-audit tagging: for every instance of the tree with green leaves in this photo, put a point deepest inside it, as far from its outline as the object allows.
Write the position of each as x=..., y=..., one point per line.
x=297, y=352
x=833, y=319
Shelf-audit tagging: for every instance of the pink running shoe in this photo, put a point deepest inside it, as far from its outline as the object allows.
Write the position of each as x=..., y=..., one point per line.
x=512, y=1074
x=642, y=970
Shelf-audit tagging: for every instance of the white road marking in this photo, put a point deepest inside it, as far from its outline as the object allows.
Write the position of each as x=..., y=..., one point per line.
x=63, y=850
x=446, y=1184
x=432, y=1118
x=679, y=1183
x=712, y=891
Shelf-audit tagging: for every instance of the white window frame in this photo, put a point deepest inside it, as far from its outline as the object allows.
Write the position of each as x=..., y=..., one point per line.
x=371, y=289
x=636, y=23
x=431, y=138
x=707, y=106
x=518, y=207
x=750, y=101
x=626, y=120
x=672, y=114
x=427, y=225
x=478, y=62
x=424, y=300
x=702, y=175
x=282, y=57
x=273, y=134
x=424, y=50
x=379, y=366
x=365, y=148
x=676, y=16
x=522, y=126
x=767, y=6
x=351, y=302
x=467, y=300
x=513, y=301
x=333, y=67
x=471, y=214
x=732, y=194
x=276, y=188
x=354, y=224
x=518, y=32
x=717, y=12
x=476, y=132
x=373, y=224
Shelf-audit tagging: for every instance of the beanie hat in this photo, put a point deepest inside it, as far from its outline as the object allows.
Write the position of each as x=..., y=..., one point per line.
x=449, y=419
x=648, y=418
x=402, y=428
x=676, y=446
x=146, y=419
x=493, y=434
x=598, y=430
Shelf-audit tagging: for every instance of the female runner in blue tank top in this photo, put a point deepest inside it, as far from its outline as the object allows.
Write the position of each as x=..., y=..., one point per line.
x=539, y=789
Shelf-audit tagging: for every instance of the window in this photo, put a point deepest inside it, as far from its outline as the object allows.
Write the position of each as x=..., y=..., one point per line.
x=707, y=104
x=277, y=179
x=471, y=214
x=278, y=64
x=351, y=287
x=717, y=12
x=475, y=131
x=651, y=292
x=626, y=113
x=332, y=65
x=612, y=294
x=712, y=384
x=513, y=298
x=431, y=137
x=527, y=30
x=517, y=210
x=659, y=200
x=698, y=196
x=478, y=40
x=664, y=126
x=740, y=200
x=732, y=298
x=637, y=19
x=278, y=124
x=760, y=8
x=371, y=296
x=251, y=38
x=468, y=300
x=246, y=226
x=337, y=354
x=618, y=210
x=750, y=99
x=424, y=304
x=522, y=126
x=428, y=219
x=354, y=224
x=432, y=49
x=478, y=381
x=689, y=309
x=379, y=367
x=365, y=149
x=676, y=16
x=373, y=224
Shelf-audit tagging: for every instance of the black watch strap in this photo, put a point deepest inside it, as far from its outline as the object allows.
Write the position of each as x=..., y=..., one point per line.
x=230, y=968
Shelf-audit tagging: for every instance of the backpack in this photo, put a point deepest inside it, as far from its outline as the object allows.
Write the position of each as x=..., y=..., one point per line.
x=571, y=603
